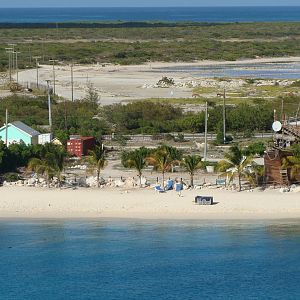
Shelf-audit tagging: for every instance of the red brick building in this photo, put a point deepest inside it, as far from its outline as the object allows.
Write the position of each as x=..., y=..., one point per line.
x=80, y=146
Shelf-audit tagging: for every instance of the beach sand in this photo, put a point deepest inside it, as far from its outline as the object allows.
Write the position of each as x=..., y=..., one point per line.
x=125, y=83
x=23, y=202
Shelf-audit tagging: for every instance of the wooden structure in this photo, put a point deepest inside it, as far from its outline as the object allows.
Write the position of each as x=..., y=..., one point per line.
x=281, y=148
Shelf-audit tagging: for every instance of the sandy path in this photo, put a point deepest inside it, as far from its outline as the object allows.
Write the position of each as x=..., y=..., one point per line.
x=19, y=202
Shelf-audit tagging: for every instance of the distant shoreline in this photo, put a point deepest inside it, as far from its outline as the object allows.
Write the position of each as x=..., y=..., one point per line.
x=213, y=14
x=119, y=24
x=124, y=24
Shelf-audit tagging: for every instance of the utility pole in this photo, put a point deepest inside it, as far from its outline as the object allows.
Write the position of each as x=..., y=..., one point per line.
x=9, y=51
x=282, y=109
x=65, y=108
x=6, y=127
x=205, y=136
x=72, y=82
x=224, y=116
x=17, y=68
x=53, y=61
x=297, y=114
x=37, y=70
x=49, y=104
x=12, y=58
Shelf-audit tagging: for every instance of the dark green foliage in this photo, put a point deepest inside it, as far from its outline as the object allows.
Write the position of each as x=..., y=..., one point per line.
x=166, y=81
x=124, y=44
x=97, y=160
x=19, y=155
x=257, y=148
x=192, y=163
x=164, y=158
x=143, y=117
x=136, y=159
x=11, y=177
x=30, y=110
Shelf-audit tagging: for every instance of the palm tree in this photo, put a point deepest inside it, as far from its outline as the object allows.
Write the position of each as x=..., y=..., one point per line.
x=45, y=166
x=254, y=174
x=49, y=162
x=293, y=161
x=163, y=159
x=175, y=154
x=235, y=165
x=192, y=163
x=136, y=159
x=97, y=160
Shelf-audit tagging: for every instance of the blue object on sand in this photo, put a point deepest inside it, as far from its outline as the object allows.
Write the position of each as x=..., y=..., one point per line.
x=170, y=185
x=178, y=187
x=158, y=188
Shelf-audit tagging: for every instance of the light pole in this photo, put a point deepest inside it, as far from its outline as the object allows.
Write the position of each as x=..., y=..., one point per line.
x=205, y=136
x=17, y=69
x=13, y=51
x=37, y=70
x=6, y=127
x=9, y=51
x=224, y=116
x=72, y=83
x=53, y=61
x=49, y=104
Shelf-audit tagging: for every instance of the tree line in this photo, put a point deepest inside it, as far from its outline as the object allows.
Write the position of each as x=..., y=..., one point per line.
x=50, y=161
x=87, y=118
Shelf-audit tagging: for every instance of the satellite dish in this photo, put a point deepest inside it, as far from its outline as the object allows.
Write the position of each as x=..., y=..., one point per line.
x=277, y=126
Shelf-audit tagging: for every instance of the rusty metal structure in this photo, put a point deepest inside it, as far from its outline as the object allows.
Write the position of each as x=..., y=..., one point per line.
x=283, y=140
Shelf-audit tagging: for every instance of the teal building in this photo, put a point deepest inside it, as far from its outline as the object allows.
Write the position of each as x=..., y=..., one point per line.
x=18, y=132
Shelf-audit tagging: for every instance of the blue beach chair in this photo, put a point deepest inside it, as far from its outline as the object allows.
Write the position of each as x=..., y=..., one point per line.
x=170, y=185
x=158, y=189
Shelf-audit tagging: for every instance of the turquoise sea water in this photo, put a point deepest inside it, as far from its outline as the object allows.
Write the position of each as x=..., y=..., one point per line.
x=149, y=260
x=174, y=14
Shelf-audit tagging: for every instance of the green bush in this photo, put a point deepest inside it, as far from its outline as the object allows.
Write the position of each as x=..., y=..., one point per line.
x=11, y=177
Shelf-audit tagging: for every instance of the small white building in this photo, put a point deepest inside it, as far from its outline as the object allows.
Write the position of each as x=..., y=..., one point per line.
x=45, y=138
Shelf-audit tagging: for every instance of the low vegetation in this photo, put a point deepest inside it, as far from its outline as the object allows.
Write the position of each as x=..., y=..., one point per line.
x=123, y=44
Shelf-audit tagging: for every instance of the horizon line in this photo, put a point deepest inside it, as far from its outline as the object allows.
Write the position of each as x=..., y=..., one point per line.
x=180, y=6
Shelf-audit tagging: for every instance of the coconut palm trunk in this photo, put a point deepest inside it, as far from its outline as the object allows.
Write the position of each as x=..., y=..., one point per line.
x=140, y=178
x=192, y=179
x=192, y=163
x=97, y=161
x=236, y=165
x=98, y=178
x=239, y=180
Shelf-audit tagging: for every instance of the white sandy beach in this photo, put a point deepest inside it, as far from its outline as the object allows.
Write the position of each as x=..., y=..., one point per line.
x=20, y=202
x=125, y=83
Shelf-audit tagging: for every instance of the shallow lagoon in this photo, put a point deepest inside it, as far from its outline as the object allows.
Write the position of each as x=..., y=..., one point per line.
x=247, y=70
x=149, y=260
